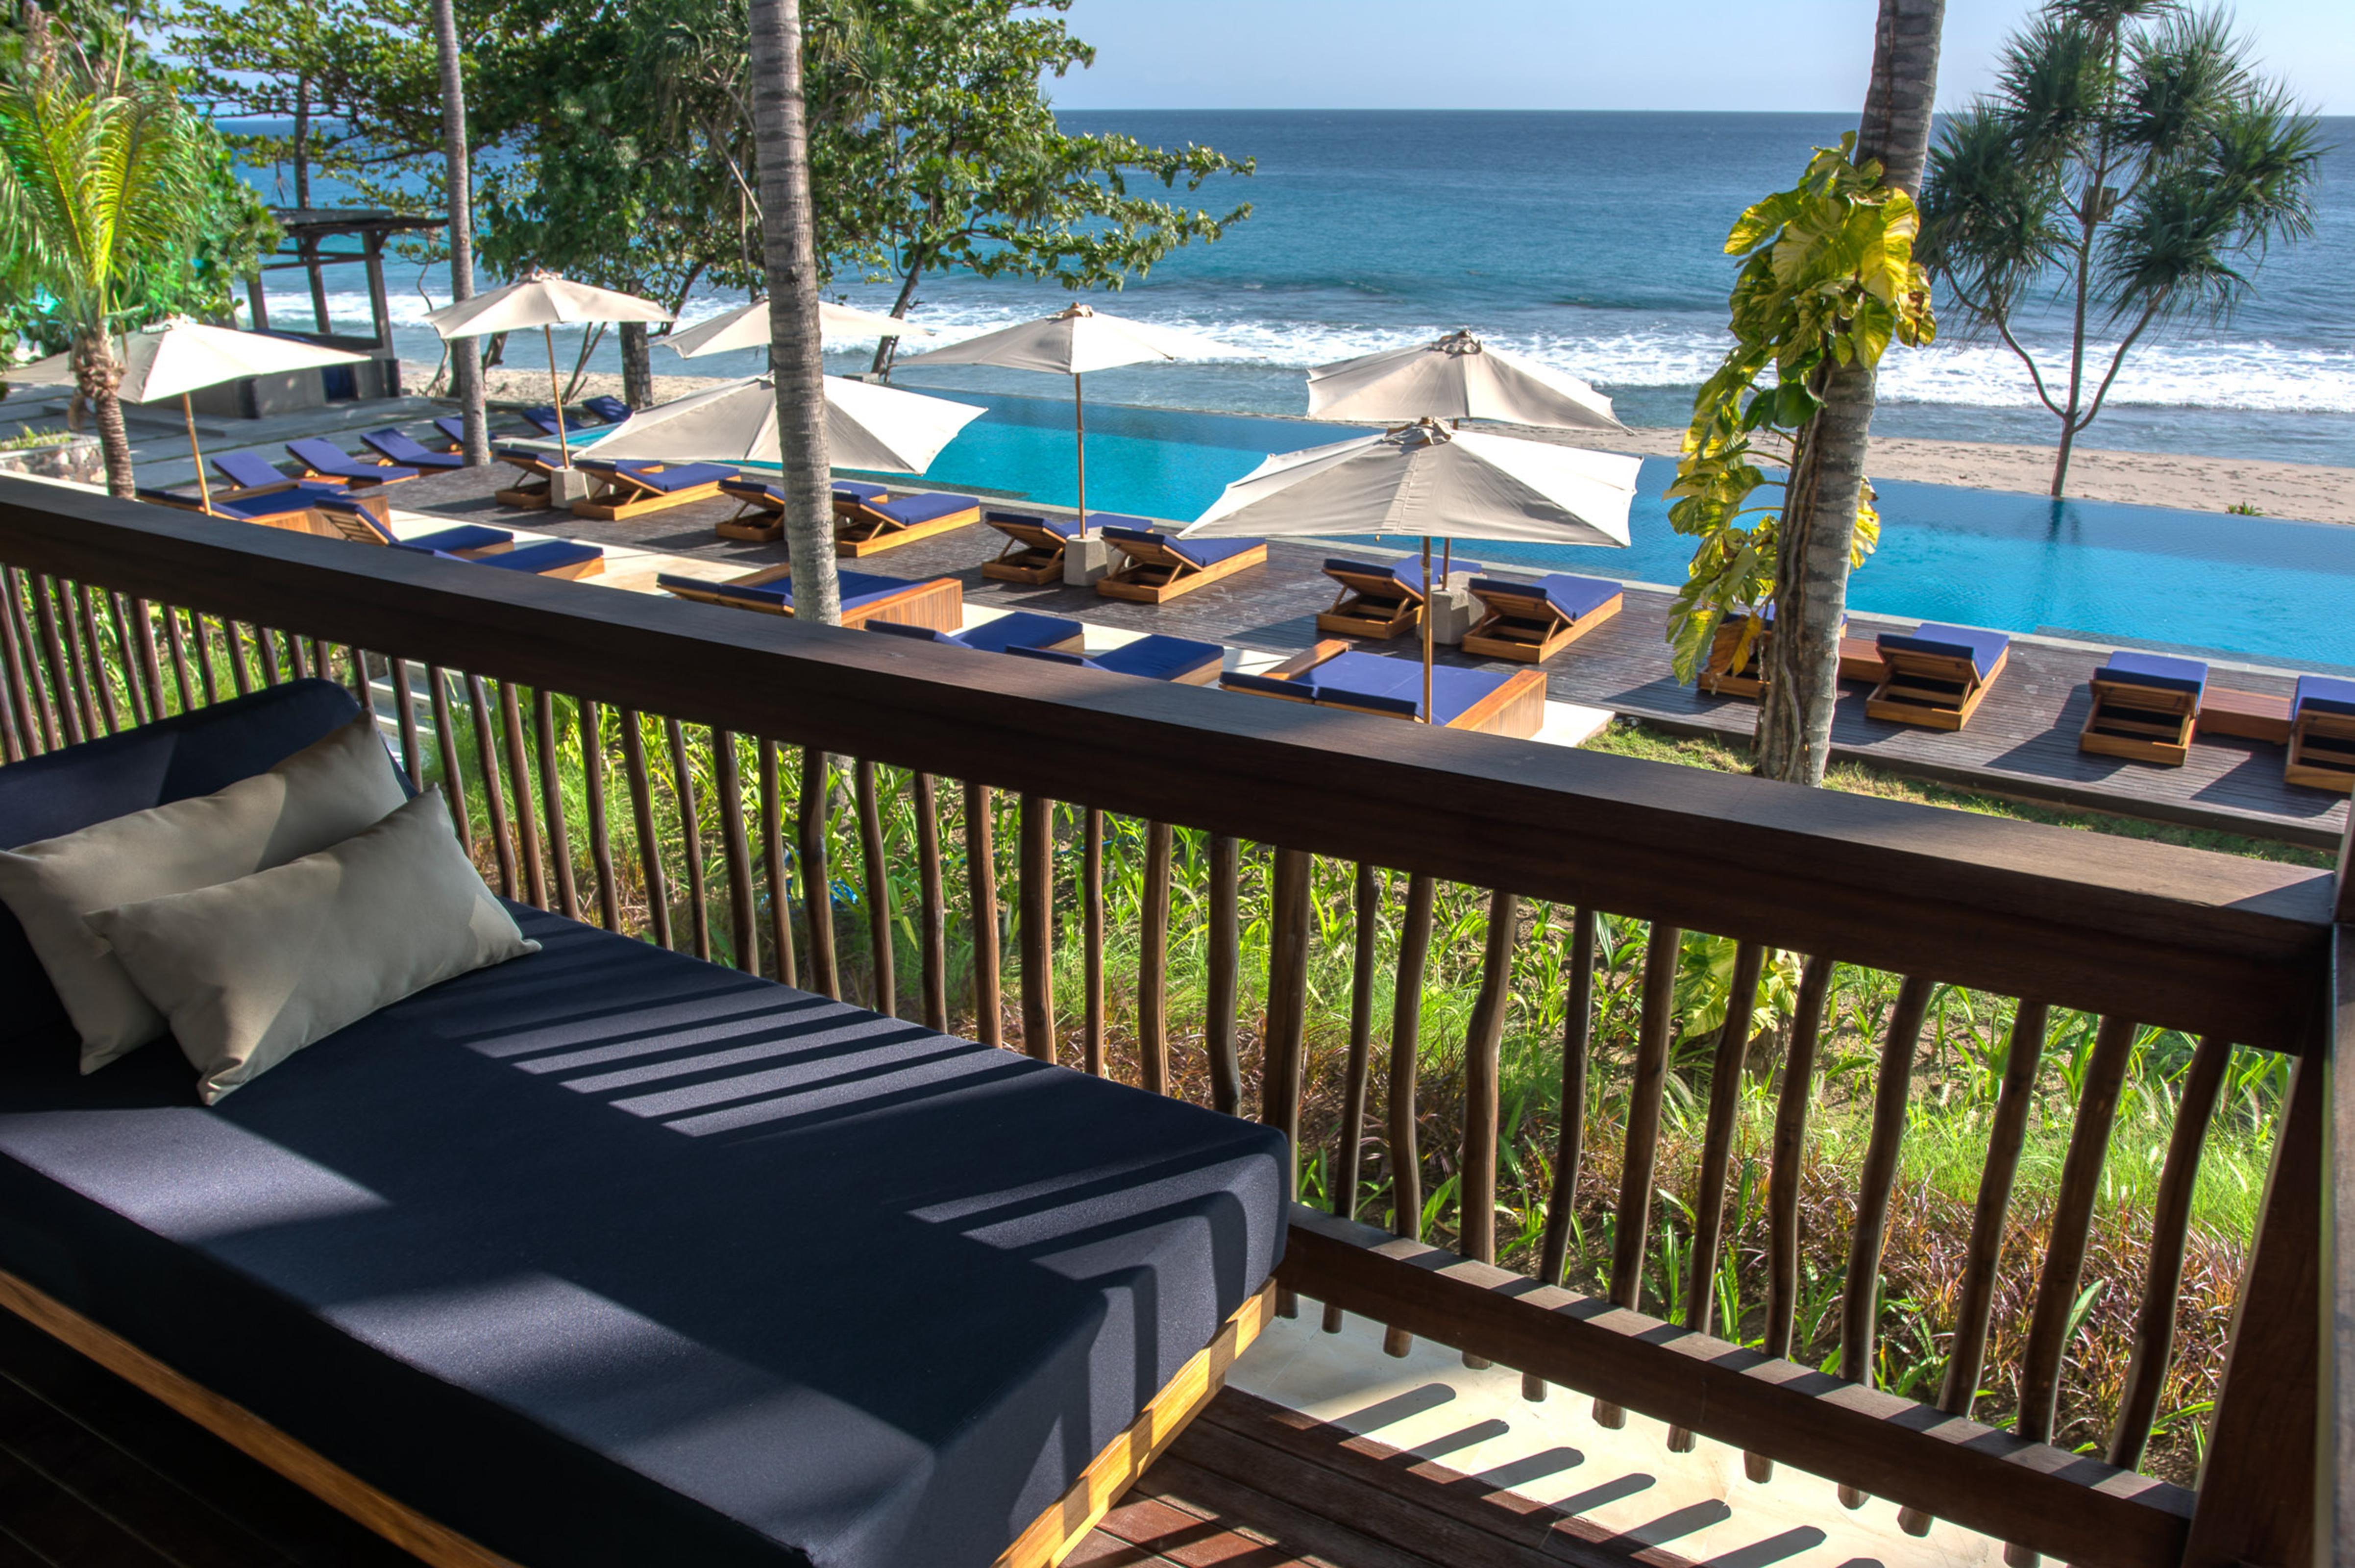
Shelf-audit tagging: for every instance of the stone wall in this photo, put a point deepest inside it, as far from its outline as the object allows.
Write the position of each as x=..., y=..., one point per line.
x=76, y=460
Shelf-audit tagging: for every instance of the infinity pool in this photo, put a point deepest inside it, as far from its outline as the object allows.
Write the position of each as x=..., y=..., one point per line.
x=2256, y=587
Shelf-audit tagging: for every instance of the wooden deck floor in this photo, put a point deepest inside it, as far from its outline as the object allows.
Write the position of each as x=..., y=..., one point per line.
x=2022, y=742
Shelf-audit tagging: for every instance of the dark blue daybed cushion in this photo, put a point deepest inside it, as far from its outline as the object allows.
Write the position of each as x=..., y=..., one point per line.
x=758, y=490
x=524, y=456
x=911, y=510
x=1061, y=528
x=247, y=469
x=1159, y=658
x=465, y=536
x=2159, y=670
x=391, y=443
x=328, y=458
x=1977, y=644
x=1406, y=571
x=453, y=426
x=751, y=593
x=2324, y=693
x=542, y=418
x=859, y=490
x=542, y=555
x=1395, y=686
x=1021, y=629
x=668, y=480
x=1194, y=552
x=612, y=409
x=1573, y=596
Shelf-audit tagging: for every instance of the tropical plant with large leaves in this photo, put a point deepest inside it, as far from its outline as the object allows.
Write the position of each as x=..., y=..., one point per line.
x=1830, y=281
x=104, y=180
x=2130, y=166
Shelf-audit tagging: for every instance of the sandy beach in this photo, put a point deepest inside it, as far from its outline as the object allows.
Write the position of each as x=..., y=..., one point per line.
x=2306, y=491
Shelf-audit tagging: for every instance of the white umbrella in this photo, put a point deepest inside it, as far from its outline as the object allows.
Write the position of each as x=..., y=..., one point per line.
x=1426, y=479
x=180, y=356
x=1071, y=342
x=1455, y=377
x=544, y=300
x=747, y=326
x=866, y=426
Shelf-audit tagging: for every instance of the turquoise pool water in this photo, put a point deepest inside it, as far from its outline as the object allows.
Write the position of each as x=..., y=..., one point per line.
x=2256, y=587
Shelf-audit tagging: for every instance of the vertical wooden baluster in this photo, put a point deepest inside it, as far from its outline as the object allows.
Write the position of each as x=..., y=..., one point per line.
x=82, y=658
x=39, y=722
x=151, y=668
x=356, y=670
x=1717, y=1151
x=241, y=671
x=1562, y=1203
x=2014, y=1100
x=642, y=817
x=24, y=733
x=735, y=847
x=323, y=661
x=175, y=641
x=200, y=645
x=146, y=706
x=1283, y=1056
x=1632, y=1227
x=773, y=860
x=877, y=893
x=1092, y=942
x=1153, y=964
x=298, y=659
x=265, y=646
x=101, y=680
x=1406, y=1028
x=1226, y=961
x=526, y=825
x=494, y=805
x=1476, y=1226
x=817, y=875
x=1349, y=1147
x=1860, y=1297
x=1035, y=893
x=551, y=802
x=404, y=713
x=981, y=878
x=14, y=721
x=589, y=729
x=445, y=746
x=62, y=692
x=1784, y=1171
x=933, y=914
x=2154, y=1338
x=690, y=826
x=2064, y=1254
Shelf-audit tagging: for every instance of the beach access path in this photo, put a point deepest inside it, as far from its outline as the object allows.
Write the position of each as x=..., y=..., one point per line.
x=2023, y=742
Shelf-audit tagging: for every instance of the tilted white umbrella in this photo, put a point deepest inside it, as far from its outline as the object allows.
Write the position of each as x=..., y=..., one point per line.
x=179, y=355
x=747, y=326
x=1071, y=342
x=1456, y=377
x=1426, y=479
x=865, y=427
x=547, y=301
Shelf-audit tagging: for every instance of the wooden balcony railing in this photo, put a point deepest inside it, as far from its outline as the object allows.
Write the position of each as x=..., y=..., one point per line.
x=612, y=732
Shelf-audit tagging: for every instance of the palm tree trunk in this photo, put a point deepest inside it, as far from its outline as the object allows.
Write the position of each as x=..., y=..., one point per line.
x=466, y=353
x=781, y=133
x=1827, y=473
x=637, y=365
x=96, y=376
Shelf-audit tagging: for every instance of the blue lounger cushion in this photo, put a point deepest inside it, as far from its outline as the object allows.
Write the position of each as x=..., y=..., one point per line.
x=1395, y=686
x=398, y=448
x=1406, y=571
x=541, y=418
x=524, y=457
x=1977, y=644
x=453, y=427
x=326, y=457
x=248, y=470
x=1149, y=658
x=277, y=504
x=670, y=480
x=612, y=409
x=2323, y=693
x=1193, y=552
x=610, y=1257
x=1573, y=596
x=1061, y=528
x=758, y=491
x=1008, y=633
x=2160, y=671
x=538, y=556
x=465, y=536
x=909, y=510
x=858, y=492
x=858, y=588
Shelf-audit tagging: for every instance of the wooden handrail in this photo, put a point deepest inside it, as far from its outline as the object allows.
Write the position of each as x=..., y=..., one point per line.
x=2200, y=942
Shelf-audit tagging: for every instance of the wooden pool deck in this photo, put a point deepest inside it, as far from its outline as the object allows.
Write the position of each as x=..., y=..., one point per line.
x=2023, y=742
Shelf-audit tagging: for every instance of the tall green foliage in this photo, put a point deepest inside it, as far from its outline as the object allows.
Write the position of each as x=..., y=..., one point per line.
x=2131, y=165
x=1830, y=281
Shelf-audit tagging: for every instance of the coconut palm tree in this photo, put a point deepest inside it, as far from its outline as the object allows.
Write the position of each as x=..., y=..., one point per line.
x=781, y=132
x=466, y=353
x=101, y=175
x=1827, y=476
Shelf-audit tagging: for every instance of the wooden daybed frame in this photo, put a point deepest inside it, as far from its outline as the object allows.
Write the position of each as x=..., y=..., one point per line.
x=938, y=603
x=861, y=531
x=1155, y=573
x=1034, y=552
x=1516, y=707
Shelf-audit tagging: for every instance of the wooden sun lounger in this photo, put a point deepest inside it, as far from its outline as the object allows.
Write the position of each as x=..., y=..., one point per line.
x=1486, y=701
x=1859, y=659
x=2145, y=708
x=1530, y=622
x=938, y=603
x=1376, y=601
x=1159, y=567
x=1937, y=675
x=1034, y=548
x=760, y=514
x=530, y=493
x=622, y=489
x=2322, y=734
x=870, y=525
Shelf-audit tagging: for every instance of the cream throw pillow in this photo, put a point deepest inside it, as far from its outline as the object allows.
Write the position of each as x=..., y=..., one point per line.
x=252, y=971
x=320, y=796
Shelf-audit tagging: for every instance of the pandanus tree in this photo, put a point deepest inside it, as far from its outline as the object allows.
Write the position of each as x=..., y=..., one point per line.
x=2130, y=166
x=104, y=180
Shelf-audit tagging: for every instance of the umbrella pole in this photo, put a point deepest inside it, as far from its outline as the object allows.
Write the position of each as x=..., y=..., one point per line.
x=1080, y=440
x=203, y=491
x=556, y=396
x=1426, y=628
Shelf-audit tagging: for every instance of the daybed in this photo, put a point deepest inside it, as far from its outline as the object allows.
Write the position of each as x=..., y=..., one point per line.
x=1016, y=629
x=621, y=487
x=1182, y=660
x=1161, y=566
x=939, y=603
x=310, y=509
x=1531, y=622
x=1937, y=675
x=1331, y=676
x=531, y=491
x=870, y=522
x=2322, y=734
x=1034, y=546
x=541, y=558
x=1377, y=600
x=394, y=447
x=252, y=473
x=608, y=408
x=325, y=459
x=2145, y=708
x=608, y=1257
x=760, y=517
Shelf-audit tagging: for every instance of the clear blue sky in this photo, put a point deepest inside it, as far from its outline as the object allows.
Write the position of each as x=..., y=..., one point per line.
x=1582, y=54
